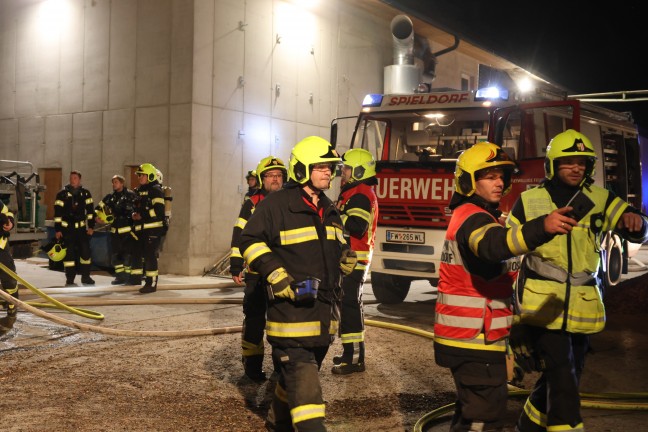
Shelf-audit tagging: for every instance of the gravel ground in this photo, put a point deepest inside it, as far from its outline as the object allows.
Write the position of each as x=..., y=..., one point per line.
x=57, y=378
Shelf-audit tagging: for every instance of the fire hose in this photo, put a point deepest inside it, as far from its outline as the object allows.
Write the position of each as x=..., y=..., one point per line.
x=610, y=401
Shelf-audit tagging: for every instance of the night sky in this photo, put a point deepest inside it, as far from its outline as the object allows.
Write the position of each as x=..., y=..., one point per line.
x=575, y=44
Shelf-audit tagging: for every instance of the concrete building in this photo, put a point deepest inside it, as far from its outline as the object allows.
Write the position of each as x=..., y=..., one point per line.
x=203, y=89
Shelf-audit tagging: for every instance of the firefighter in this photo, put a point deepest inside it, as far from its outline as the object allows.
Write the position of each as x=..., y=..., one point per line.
x=560, y=294
x=116, y=209
x=253, y=183
x=358, y=207
x=148, y=228
x=74, y=221
x=271, y=173
x=473, y=309
x=9, y=284
x=295, y=241
x=168, y=204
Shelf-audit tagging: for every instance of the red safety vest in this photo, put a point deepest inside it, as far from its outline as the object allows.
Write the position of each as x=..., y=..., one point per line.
x=468, y=304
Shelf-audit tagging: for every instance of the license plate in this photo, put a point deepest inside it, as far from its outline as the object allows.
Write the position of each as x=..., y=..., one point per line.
x=405, y=236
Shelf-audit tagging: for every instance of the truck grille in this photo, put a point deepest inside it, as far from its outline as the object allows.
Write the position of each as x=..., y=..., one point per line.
x=417, y=266
x=407, y=248
x=413, y=215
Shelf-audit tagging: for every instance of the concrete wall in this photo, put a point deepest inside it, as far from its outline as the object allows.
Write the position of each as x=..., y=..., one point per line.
x=203, y=89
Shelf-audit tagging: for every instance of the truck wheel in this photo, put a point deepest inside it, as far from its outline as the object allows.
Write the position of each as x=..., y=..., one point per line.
x=390, y=289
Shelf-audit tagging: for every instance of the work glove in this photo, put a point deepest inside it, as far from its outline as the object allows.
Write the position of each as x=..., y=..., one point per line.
x=348, y=261
x=280, y=282
x=522, y=346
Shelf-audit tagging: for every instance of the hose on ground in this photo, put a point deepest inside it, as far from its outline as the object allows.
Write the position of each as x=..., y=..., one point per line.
x=611, y=401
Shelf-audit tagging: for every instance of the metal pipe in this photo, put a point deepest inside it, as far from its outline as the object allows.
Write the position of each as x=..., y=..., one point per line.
x=402, y=30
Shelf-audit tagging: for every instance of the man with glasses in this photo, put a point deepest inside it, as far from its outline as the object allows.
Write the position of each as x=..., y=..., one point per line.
x=295, y=241
x=271, y=174
x=559, y=290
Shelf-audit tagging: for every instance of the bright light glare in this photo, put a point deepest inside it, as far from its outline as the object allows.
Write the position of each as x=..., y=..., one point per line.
x=525, y=85
x=54, y=17
x=296, y=27
x=434, y=115
x=306, y=4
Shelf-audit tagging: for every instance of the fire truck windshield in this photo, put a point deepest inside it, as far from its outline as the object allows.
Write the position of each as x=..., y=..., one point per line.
x=421, y=136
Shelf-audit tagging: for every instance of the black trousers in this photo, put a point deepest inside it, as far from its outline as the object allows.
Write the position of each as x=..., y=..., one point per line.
x=555, y=395
x=352, y=318
x=77, y=242
x=254, y=321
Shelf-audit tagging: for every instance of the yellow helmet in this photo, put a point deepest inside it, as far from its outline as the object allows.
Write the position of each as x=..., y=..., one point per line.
x=310, y=151
x=361, y=162
x=57, y=252
x=105, y=215
x=267, y=164
x=570, y=143
x=482, y=155
x=251, y=173
x=149, y=170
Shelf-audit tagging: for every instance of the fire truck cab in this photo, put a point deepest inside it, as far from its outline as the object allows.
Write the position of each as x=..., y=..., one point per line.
x=416, y=139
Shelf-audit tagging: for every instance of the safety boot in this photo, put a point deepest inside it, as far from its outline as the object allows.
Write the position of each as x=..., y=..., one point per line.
x=6, y=323
x=69, y=277
x=150, y=286
x=120, y=279
x=135, y=280
x=347, y=368
x=87, y=280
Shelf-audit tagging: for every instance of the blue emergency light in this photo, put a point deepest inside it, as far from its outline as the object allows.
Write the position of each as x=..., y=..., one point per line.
x=491, y=93
x=372, y=100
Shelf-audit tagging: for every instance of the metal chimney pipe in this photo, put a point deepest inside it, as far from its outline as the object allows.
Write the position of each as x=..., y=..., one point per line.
x=402, y=30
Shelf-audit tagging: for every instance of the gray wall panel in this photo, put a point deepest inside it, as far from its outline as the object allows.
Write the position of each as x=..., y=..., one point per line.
x=153, y=52
x=123, y=46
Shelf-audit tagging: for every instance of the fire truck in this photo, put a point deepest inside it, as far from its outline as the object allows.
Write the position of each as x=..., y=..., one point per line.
x=416, y=139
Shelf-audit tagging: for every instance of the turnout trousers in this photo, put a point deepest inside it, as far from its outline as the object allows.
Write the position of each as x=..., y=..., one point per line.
x=554, y=403
x=297, y=404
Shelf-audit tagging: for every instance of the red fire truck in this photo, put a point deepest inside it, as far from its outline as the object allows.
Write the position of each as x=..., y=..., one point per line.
x=416, y=139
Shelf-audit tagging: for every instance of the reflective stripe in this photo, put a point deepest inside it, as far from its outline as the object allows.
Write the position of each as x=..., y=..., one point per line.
x=152, y=213
x=364, y=255
x=306, y=412
x=68, y=263
x=240, y=223
x=59, y=203
x=150, y=225
x=477, y=236
x=58, y=219
x=64, y=224
x=249, y=349
x=3, y=242
x=293, y=330
x=515, y=240
x=477, y=344
x=151, y=273
x=535, y=415
x=137, y=272
x=255, y=251
x=88, y=200
x=235, y=253
x=157, y=201
x=362, y=214
x=85, y=261
x=460, y=300
x=352, y=337
x=552, y=272
x=299, y=235
x=334, y=328
x=123, y=230
x=90, y=216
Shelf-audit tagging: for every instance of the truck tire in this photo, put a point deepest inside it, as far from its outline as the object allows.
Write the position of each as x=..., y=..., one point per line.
x=390, y=289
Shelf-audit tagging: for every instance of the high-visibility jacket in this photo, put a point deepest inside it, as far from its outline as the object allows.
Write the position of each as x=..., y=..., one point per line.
x=120, y=205
x=286, y=231
x=560, y=288
x=237, y=263
x=358, y=202
x=73, y=209
x=149, y=203
x=471, y=312
x=4, y=235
